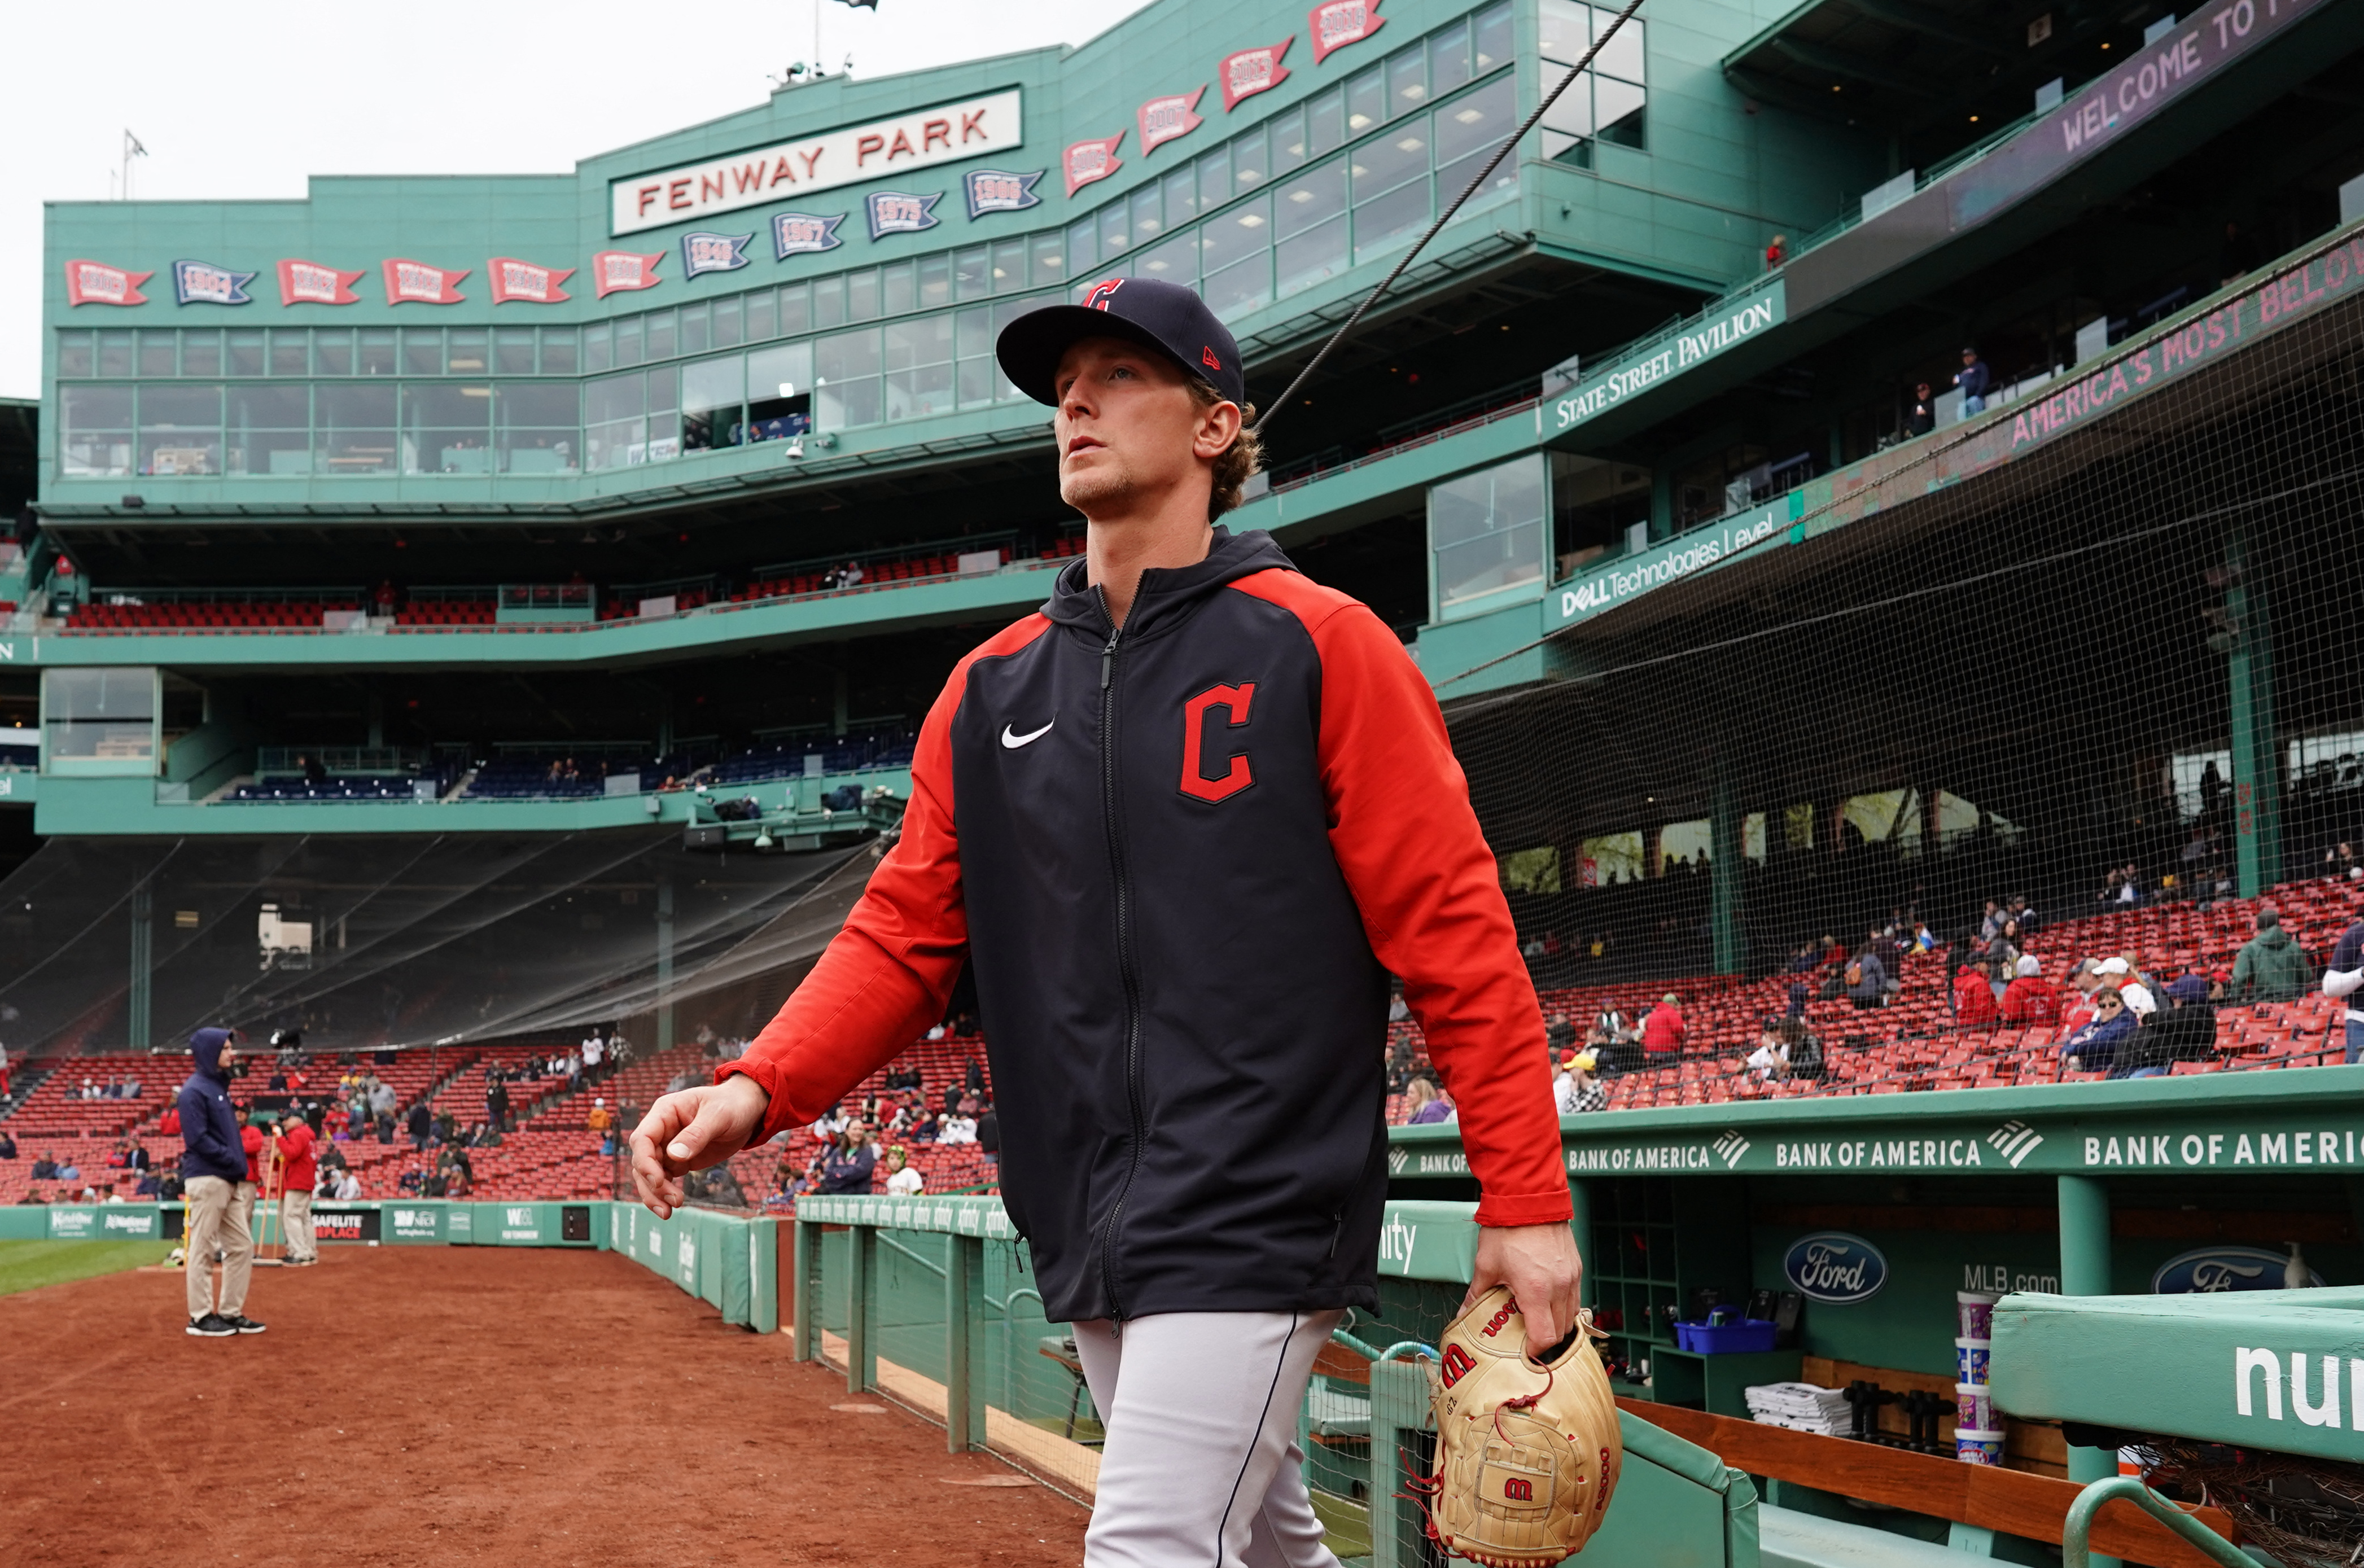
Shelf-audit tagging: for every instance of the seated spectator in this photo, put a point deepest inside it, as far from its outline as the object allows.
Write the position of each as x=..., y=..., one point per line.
x=2144, y=1053
x=45, y=1169
x=2094, y=1048
x=2187, y=1027
x=1866, y=981
x=7, y=1145
x=902, y=1179
x=150, y=1186
x=2341, y=865
x=1974, y=1001
x=1801, y=1048
x=1425, y=1104
x=1664, y=1029
x=958, y=1129
x=2270, y=967
x=69, y=1172
x=601, y=1119
x=988, y=1135
x=2030, y=1000
x=848, y=1167
x=349, y=1187
x=1770, y=1060
x=1578, y=1091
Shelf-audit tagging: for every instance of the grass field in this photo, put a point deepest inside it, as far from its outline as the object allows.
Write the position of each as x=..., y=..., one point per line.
x=27, y=1265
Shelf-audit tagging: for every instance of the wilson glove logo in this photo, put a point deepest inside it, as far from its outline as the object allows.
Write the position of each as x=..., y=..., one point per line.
x=1197, y=783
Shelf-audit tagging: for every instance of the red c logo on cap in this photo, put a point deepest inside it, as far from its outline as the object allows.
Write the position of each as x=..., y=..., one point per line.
x=1102, y=293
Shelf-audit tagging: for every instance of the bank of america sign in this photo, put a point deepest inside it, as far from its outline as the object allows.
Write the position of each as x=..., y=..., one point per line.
x=791, y=170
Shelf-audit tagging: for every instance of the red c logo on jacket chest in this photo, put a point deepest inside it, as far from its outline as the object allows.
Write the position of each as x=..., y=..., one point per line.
x=1195, y=782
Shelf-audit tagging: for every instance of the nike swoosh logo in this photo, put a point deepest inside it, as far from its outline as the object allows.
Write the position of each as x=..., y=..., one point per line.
x=1011, y=741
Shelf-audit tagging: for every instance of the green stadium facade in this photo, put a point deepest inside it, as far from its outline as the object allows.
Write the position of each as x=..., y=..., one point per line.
x=440, y=510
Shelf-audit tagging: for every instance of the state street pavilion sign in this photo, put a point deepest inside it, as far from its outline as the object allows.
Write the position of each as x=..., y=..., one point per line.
x=794, y=168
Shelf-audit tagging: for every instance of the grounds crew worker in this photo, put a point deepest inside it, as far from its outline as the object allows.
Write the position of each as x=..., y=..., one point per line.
x=213, y=1167
x=1184, y=821
x=292, y=1147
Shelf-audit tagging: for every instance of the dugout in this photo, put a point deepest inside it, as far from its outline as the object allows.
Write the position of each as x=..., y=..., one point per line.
x=2160, y=1191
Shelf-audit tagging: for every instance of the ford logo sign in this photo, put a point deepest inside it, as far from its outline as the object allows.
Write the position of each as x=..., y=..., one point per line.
x=1833, y=1266
x=2208, y=1270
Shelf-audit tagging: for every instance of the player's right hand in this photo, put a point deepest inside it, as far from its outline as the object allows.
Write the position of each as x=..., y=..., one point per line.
x=690, y=1131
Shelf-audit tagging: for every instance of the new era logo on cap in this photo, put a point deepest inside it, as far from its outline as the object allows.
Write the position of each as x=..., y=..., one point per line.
x=1161, y=316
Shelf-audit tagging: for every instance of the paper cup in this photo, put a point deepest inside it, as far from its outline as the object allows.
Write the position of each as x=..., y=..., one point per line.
x=1974, y=1447
x=1974, y=1314
x=1974, y=1407
x=1970, y=1361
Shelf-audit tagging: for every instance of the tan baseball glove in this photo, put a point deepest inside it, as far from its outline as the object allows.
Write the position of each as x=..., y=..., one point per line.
x=1527, y=1455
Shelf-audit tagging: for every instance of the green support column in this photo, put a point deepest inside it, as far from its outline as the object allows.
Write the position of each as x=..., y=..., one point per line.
x=664, y=962
x=1726, y=857
x=963, y=1343
x=2257, y=750
x=804, y=1302
x=861, y=1273
x=1579, y=1197
x=1662, y=505
x=2085, y=1271
x=143, y=940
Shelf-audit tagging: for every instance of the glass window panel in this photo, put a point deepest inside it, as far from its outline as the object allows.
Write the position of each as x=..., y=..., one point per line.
x=1048, y=259
x=333, y=350
x=845, y=375
x=377, y=353
x=1251, y=162
x=711, y=393
x=1289, y=150
x=664, y=389
x=598, y=348
x=1564, y=29
x=919, y=367
x=1366, y=100
x=1390, y=218
x=201, y=353
x=468, y=350
x=422, y=350
x=615, y=421
x=973, y=382
x=779, y=392
x=972, y=273
x=921, y=341
x=76, y=354
x=1448, y=60
x=115, y=354
x=1407, y=81
x=446, y=428
x=936, y=280
x=1116, y=228
x=1478, y=122
x=1386, y=162
x=1148, y=213
x=180, y=430
x=513, y=350
x=1571, y=115
x=659, y=338
x=1083, y=246
x=796, y=309
x=829, y=302
x=665, y=413
x=763, y=317
x=972, y=334
x=93, y=714
x=270, y=429
x=1008, y=266
x=1175, y=262
x=1623, y=54
x=1310, y=196
x=1492, y=30
x=1325, y=122
x=694, y=332
x=245, y=354
x=1181, y=196
x=1486, y=532
x=1240, y=287
x=95, y=440
x=628, y=340
x=898, y=288
x=533, y=425
x=1619, y=107
x=1214, y=179
x=1004, y=313
x=1308, y=258
x=861, y=294
x=291, y=352
x=356, y=426
x=1245, y=230
x=729, y=327
x=159, y=353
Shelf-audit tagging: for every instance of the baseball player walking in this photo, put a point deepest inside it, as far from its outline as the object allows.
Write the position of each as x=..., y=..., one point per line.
x=1184, y=822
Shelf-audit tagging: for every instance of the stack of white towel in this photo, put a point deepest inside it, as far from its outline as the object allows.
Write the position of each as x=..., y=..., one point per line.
x=1802, y=1407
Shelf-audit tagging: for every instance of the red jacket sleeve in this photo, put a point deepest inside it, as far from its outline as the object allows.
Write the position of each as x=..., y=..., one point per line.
x=885, y=977
x=1406, y=837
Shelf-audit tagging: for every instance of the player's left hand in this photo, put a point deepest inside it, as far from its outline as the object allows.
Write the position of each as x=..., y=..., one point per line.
x=1539, y=1262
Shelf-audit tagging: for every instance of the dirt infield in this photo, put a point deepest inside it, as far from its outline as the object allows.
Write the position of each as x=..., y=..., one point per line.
x=460, y=1405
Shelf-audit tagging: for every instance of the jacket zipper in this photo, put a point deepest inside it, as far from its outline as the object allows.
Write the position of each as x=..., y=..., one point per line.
x=1124, y=958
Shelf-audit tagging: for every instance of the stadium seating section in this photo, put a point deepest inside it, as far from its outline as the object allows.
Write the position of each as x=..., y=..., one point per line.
x=785, y=758
x=217, y=615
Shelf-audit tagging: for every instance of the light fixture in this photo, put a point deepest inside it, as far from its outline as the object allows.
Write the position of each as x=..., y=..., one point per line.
x=763, y=842
x=796, y=448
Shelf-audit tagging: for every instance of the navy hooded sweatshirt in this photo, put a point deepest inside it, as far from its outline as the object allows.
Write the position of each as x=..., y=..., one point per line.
x=209, y=1135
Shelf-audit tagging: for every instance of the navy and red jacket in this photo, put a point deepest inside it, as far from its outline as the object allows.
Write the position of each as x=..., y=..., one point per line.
x=1183, y=859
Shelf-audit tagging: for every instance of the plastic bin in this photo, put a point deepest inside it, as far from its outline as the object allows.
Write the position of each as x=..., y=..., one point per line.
x=1734, y=1336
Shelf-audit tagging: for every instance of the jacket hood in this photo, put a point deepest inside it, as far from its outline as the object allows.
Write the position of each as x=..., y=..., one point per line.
x=2271, y=937
x=206, y=1045
x=1167, y=593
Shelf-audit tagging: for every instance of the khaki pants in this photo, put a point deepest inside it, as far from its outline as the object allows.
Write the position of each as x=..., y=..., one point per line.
x=217, y=1219
x=300, y=1241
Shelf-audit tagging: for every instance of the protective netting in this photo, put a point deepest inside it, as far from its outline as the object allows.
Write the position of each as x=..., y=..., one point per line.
x=401, y=940
x=2109, y=669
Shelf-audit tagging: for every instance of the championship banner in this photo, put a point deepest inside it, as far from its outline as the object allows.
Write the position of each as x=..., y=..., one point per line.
x=618, y=270
x=202, y=283
x=1085, y=162
x=526, y=284
x=1339, y=23
x=1163, y=119
x=416, y=283
x=703, y=253
x=309, y=282
x=95, y=282
x=998, y=190
x=899, y=212
x=1253, y=71
x=805, y=233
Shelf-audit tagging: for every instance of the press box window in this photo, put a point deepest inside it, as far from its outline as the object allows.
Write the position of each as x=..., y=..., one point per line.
x=1487, y=537
x=1607, y=102
x=99, y=721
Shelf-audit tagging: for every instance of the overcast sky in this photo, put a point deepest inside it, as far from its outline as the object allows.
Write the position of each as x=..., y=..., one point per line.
x=251, y=103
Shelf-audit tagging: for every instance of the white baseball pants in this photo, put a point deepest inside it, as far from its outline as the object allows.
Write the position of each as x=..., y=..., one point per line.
x=1200, y=1468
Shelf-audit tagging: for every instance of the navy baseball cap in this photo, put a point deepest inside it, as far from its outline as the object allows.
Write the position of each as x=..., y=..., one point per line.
x=1160, y=315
